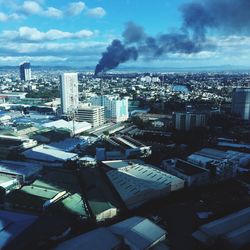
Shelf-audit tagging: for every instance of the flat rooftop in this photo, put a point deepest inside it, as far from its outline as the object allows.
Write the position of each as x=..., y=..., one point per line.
x=19, y=168
x=188, y=168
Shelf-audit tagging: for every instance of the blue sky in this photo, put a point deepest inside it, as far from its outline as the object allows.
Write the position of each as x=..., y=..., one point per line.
x=75, y=33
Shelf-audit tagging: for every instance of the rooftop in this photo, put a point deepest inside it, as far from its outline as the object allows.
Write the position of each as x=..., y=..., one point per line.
x=138, y=232
x=19, y=168
x=49, y=154
x=188, y=168
x=13, y=224
x=133, y=179
x=98, y=239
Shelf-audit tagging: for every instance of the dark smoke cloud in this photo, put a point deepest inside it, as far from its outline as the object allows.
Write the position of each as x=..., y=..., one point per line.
x=224, y=16
x=133, y=33
x=116, y=53
x=169, y=43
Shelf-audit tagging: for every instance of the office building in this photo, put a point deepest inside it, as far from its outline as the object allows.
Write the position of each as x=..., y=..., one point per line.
x=188, y=121
x=241, y=102
x=116, y=108
x=25, y=71
x=91, y=114
x=69, y=92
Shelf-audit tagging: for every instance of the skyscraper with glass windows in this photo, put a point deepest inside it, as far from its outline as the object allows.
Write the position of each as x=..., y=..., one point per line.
x=25, y=71
x=241, y=102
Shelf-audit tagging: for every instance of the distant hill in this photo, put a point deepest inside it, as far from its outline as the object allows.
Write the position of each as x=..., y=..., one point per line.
x=221, y=68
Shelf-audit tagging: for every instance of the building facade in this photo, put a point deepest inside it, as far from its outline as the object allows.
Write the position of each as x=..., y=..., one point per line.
x=69, y=92
x=92, y=114
x=116, y=108
x=241, y=102
x=25, y=71
x=188, y=121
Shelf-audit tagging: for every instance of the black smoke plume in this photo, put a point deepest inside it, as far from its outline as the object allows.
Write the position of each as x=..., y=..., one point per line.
x=228, y=17
x=116, y=53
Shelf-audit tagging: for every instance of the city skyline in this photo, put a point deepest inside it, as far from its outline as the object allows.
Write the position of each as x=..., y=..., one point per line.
x=77, y=33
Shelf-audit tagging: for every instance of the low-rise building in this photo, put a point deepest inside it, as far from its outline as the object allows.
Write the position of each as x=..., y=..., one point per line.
x=193, y=175
x=138, y=183
x=98, y=239
x=73, y=126
x=222, y=164
x=49, y=156
x=134, y=233
x=24, y=172
x=230, y=232
x=139, y=233
x=91, y=114
x=130, y=147
x=12, y=225
x=10, y=144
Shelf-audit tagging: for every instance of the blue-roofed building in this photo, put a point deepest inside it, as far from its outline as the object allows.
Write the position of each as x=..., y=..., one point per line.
x=12, y=225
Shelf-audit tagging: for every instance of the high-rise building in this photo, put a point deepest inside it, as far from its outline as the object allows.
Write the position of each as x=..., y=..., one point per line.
x=187, y=121
x=92, y=114
x=116, y=108
x=241, y=102
x=25, y=71
x=69, y=92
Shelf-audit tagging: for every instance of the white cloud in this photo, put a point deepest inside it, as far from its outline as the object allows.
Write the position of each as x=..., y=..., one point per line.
x=75, y=8
x=30, y=34
x=40, y=59
x=39, y=8
x=53, y=12
x=4, y=17
x=31, y=8
x=97, y=12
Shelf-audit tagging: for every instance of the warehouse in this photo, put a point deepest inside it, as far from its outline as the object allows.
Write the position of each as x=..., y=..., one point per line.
x=49, y=156
x=23, y=171
x=233, y=230
x=138, y=183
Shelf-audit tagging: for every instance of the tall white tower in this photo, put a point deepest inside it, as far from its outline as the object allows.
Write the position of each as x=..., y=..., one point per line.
x=69, y=92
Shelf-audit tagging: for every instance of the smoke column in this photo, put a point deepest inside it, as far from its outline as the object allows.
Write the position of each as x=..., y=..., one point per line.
x=228, y=17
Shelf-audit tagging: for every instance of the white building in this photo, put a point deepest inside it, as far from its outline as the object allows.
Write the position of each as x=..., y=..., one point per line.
x=92, y=114
x=74, y=127
x=116, y=108
x=241, y=102
x=138, y=183
x=69, y=92
x=49, y=156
